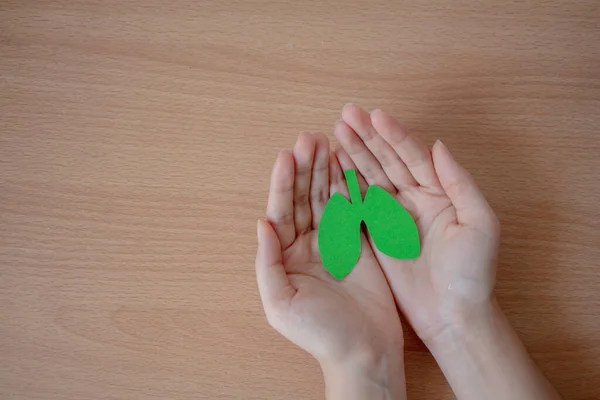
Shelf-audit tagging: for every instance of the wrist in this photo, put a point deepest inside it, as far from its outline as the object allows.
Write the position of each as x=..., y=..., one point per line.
x=464, y=324
x=467, y=348
x=482, y=356
x=378, y=377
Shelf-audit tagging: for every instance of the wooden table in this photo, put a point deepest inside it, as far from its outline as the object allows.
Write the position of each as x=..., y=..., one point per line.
x=136, y=141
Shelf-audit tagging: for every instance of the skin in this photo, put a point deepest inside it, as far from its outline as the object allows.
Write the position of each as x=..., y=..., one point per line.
x=352, y=326
x=459, y=231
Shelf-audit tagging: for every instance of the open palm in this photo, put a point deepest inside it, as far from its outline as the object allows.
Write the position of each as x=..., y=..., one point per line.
x=459, y=232
x=333, y=320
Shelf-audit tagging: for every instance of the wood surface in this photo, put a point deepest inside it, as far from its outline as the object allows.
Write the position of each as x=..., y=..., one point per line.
x=136, y=142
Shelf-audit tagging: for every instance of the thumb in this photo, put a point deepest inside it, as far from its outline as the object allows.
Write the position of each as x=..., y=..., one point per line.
x=472, y=209
x=273, y=283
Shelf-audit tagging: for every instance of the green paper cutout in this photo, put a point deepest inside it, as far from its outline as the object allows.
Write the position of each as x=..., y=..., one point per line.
x=391, y=227
x=339, y=236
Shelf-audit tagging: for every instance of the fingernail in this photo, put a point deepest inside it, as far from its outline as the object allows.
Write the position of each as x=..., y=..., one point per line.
x=440, y=143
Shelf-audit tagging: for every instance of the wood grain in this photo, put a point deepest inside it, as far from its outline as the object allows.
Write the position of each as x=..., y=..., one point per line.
x=136, y=141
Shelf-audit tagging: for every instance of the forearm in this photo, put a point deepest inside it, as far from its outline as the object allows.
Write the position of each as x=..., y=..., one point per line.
x=381, y=380
x=483, y=358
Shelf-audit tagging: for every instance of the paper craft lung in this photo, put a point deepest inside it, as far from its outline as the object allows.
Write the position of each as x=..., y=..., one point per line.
x=391, y=227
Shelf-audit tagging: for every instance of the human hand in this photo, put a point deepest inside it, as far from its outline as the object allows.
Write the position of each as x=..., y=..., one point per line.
x=351, y=326
x=446, y=293
x=453, y=279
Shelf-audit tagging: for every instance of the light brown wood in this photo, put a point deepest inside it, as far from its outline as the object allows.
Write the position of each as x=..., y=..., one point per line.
x=136, y=142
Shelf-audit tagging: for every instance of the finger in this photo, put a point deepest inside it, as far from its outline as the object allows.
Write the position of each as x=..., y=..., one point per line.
x=346, y=163
x=415, y=155
x=280, y=206
x=336, y=177
x=319, y=186
x=365, y=161
x=472, y=209
x=392, y=165
x=304, y=152
x=273, y=283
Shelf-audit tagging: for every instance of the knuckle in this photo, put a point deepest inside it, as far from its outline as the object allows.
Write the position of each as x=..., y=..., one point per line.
x=321, y=169
x=354, y=150
x=319, y=196
x=369, y=172
x=303, y=169
x=301, y=199
x=386, y=160
x=284, y=219
x=368, y=133
x=398, y=139
x=416, y=160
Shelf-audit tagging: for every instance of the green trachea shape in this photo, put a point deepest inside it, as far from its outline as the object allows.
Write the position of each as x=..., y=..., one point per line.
x=391, y=227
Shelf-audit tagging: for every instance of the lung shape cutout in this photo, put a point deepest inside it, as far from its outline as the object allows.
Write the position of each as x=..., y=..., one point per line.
x=339, y=236
x=391, y=227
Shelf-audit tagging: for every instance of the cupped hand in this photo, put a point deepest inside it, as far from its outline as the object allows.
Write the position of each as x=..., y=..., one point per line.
x=454, y=276
x=338, y=322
